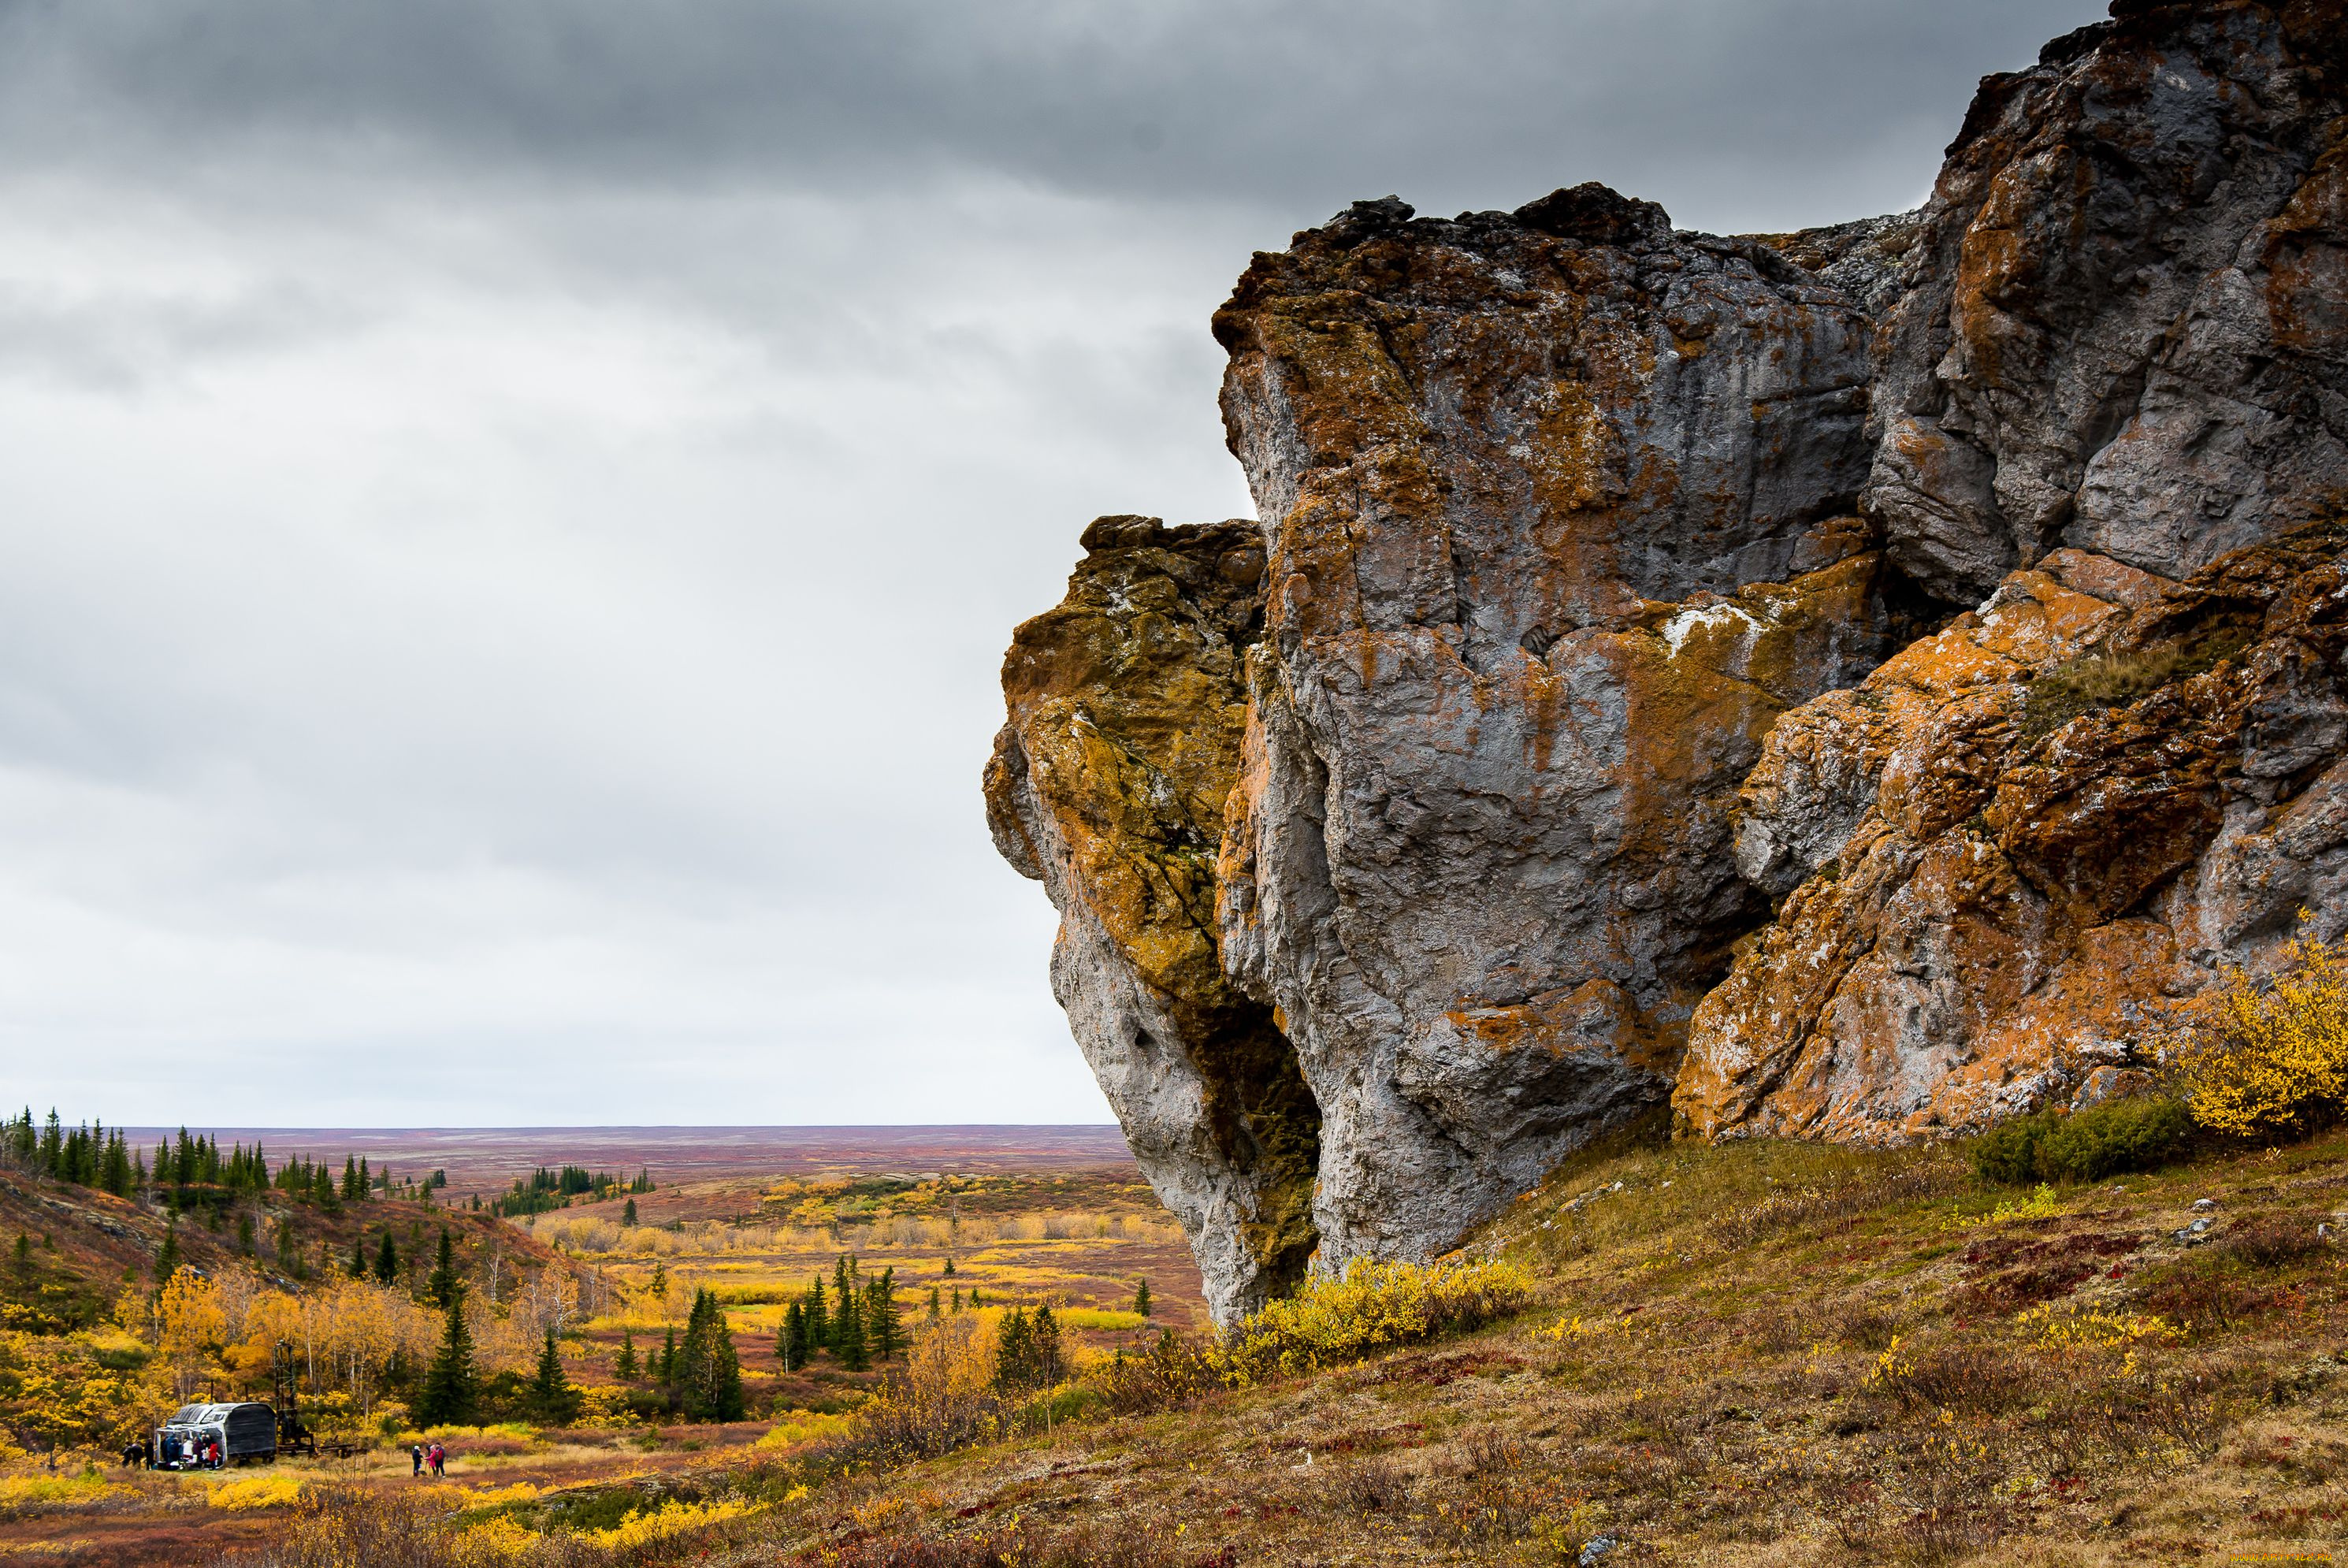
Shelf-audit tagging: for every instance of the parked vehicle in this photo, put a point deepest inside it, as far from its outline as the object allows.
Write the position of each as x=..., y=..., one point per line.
x=200, y=1437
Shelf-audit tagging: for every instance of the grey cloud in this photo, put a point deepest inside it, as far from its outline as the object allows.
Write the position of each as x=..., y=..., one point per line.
x=112, y=342
x=1294, y=106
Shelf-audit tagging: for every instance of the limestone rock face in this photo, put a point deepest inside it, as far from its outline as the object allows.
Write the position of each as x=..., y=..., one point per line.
x=1127, y=712
x=1535, y=757
x=2055, y=839
x=1557, y=517
x=2122, y=325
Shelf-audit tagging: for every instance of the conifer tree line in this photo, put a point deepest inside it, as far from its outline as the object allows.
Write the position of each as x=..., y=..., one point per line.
x=544, y=1190
x=857, y=1320
x=192, y=1170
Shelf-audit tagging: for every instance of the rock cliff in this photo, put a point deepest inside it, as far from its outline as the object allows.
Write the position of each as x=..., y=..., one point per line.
x=1590, y=720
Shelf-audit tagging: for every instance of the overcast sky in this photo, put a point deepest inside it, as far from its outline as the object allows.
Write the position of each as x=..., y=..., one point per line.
x=510, y=514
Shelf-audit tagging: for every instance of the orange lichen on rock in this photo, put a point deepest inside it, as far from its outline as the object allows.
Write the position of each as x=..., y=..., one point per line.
x=1985, y=931
x=1127, y=708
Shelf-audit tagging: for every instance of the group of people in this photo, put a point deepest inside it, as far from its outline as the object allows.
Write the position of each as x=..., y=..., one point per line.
x=432, y=1456
x=204, y=1452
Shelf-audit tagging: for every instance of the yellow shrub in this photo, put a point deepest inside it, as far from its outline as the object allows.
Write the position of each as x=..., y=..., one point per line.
x=1099, y=1317
x=496, y=1496
x=29, y=1492
x=670, y=1518
x=604, y=1406
x=1372, y=1306
x=2252, y=1057
x=495, y=1542
x=2065, y=1327
x=2039, y=1205
x=256, y=1491
x=803, y=1426
x=1575, y=1327
x=1892, y=1368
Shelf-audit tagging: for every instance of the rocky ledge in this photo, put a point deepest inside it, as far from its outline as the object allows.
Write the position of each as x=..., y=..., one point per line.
x=1825, y=682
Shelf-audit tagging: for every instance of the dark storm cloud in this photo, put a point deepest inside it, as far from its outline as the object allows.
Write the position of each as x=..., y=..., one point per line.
x=1307, y=103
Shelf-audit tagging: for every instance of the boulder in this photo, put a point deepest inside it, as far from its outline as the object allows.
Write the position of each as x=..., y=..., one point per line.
x=1535, y=759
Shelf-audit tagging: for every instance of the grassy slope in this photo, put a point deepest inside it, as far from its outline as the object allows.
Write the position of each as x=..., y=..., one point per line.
x=1770, y=1352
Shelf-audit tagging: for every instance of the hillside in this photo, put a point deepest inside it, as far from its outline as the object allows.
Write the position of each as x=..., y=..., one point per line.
x=84, y=1247
x=1755, y=1353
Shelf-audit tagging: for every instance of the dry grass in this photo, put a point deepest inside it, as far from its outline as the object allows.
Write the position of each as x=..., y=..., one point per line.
x=2117, y=679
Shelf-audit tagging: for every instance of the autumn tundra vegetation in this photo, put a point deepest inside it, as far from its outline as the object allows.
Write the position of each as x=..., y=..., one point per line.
x=2111, y=1335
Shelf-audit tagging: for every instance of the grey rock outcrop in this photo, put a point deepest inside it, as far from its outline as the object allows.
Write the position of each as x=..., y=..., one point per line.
x=1546, y=734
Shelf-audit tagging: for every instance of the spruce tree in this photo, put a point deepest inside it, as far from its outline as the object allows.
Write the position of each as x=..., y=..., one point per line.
x=1014, y=1352
x=667, y=1375
x=882, y=1329
x=843, y=1298
x=166, y=1262
x=244, y=1231
x=1141, y=1297
x=24, y=1253
x=624, y=1366
x=949, y=1269
x=552, y=1399
x=386, y=1262
x=628, y=1214
x=358, y=1257
x=848, y=1341
x=114, y=1177
x=352, y=1191
x=710, y=1376
x=442, y=1283
x=451, y=1387
x=791, y=1344
x=1046, y=1331
x=934, y=1310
